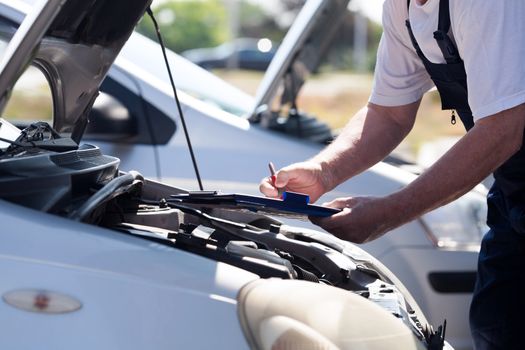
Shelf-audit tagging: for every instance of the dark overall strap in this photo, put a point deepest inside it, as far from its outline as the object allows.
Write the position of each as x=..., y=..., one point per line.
x=449, y=50
x=414, y=41
x=449, y=78
x=446, y=45
x=444, y=16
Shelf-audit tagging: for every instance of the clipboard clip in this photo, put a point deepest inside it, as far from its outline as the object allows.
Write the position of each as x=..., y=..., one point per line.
x=295, y=199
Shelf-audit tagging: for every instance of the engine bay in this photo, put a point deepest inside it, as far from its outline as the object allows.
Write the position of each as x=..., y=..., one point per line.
x=86, y=186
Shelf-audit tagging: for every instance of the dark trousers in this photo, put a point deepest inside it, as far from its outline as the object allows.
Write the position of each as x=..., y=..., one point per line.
x=497, y=313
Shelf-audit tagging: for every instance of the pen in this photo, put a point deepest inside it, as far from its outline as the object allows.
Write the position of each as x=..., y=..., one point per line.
x=273, y=178
x=272, y=173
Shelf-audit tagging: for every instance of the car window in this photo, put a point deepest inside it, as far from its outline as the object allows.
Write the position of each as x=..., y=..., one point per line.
x=7, y=29
x=3, y=45
x=31, y=99
x=251, y=54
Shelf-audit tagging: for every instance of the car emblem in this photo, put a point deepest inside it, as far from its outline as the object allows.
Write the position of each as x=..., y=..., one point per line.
x=41, y=301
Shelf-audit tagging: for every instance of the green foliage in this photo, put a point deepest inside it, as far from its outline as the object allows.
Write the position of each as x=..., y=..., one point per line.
x=256, y=23
x=340, y=53
x=188, y=24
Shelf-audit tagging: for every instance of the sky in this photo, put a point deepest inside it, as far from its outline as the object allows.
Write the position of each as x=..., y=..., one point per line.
x=372, y=8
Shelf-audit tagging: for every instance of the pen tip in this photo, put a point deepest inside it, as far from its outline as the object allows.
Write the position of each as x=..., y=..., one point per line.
x=272, y=168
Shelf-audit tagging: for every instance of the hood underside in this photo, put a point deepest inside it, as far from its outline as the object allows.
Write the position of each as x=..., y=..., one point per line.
x=97, y=22
x=82, y=39
x=300, y=52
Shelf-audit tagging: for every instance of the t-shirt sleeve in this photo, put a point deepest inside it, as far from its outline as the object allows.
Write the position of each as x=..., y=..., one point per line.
x=491, y=40
x=400, y=77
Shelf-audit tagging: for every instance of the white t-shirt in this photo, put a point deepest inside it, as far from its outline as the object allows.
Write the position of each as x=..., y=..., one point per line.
x=490, y=36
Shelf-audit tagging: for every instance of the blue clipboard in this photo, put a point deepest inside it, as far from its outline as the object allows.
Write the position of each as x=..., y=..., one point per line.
x=290, y=204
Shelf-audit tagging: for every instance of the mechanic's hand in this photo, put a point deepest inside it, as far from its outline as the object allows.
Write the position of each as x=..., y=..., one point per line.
x=305, y=177
x=361, y=220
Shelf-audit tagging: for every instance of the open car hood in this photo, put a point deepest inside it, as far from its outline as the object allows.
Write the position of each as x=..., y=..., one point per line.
x=74, y=42
x=300, y=53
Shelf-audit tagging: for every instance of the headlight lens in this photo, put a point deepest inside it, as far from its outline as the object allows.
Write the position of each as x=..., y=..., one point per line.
x=460, y=224
x=291, y=314
x=281, y=332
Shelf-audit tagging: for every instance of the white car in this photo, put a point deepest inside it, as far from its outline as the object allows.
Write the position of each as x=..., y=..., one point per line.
x=96, y=258
x=235, y=135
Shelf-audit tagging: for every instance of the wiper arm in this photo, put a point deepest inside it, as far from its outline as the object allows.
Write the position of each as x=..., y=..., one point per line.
x=34, y=136
x=334, y=267
x=63, y=144
x=206, y=218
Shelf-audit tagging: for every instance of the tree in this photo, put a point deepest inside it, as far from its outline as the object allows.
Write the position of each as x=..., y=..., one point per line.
x=256, y=23
x=188, y=24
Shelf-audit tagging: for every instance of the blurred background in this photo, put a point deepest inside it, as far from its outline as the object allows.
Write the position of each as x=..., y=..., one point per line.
x=236, y=39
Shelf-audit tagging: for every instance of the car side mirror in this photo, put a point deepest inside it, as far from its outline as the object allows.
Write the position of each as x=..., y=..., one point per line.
x=110, y=120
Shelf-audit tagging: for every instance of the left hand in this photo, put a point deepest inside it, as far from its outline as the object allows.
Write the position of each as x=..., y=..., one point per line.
x=361, y=220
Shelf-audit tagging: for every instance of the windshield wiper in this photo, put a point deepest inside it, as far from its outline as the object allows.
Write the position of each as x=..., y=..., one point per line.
x=42, y=136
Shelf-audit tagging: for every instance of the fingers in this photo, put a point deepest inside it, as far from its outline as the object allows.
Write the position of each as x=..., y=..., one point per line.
x=266, y=187
x=346, y=202
x=331, y=222
x=342, y=225
x=281, y=180
x=298, y=177
x=360, y=220
x=282, y=177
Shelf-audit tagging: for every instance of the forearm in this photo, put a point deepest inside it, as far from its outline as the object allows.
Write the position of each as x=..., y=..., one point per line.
x=368, y=138
x=489, y=144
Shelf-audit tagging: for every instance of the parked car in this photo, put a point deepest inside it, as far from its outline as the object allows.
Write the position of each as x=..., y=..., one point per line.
x=243, y=53
x=235, y=135
x=94, y=257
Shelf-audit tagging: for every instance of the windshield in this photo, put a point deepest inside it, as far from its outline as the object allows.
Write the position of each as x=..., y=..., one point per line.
x=30, y=98
x=3, y=45
x=22, y=44
x=7, y=30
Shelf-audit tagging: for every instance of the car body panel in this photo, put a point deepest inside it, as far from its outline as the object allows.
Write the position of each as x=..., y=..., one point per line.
x=217, y=134
x=113, y=275
x=419, y=262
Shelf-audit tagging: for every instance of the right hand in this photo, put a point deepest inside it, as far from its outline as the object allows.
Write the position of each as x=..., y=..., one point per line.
x=305, y=177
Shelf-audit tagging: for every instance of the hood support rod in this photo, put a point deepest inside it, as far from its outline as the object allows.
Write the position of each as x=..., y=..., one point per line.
x=186, y=134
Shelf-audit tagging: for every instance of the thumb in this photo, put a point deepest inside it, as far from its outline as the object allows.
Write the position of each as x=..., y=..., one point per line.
x=282, y=177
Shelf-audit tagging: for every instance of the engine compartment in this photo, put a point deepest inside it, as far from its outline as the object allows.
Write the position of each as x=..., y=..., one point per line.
x=86, y=186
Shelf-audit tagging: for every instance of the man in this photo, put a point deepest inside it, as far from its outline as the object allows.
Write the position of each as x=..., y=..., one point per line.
x=473, y=51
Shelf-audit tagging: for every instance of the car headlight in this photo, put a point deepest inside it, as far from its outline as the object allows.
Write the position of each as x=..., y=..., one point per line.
x=460, y=224
x=291, y=314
